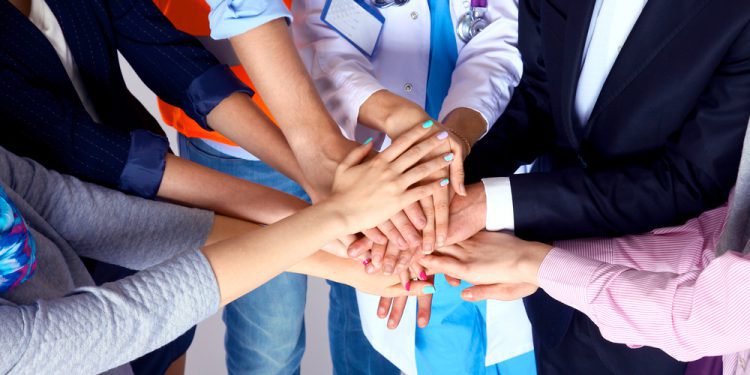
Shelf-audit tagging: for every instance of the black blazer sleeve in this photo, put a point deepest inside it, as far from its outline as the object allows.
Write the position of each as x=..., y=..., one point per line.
x=526, y=128
x=171, y=63
x=53, y=127
x=694, y=172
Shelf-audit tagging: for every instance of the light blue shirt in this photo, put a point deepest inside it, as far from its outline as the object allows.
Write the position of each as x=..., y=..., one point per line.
x=229, y=18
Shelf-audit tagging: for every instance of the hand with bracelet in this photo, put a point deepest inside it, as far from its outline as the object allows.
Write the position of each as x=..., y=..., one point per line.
x=393, y=114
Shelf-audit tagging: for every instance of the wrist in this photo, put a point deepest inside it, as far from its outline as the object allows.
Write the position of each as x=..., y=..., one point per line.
x=390, y=113
x=467, y=125
x=532, y=260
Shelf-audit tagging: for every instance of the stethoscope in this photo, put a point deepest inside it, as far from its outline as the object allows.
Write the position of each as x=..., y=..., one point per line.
x=469, y=25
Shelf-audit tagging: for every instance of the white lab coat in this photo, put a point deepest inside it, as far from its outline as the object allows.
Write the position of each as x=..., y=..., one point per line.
x=487, y=70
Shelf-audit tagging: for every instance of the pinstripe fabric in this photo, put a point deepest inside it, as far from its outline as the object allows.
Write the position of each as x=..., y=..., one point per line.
x=664, y=289
x=42, y=115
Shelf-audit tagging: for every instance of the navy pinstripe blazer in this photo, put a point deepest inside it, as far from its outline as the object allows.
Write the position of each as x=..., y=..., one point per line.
x=44, y=119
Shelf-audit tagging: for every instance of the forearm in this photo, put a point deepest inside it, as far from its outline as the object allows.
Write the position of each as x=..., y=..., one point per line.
x=99, y=328
x=239, y=119
x=271, y=60
x=390, y=113
x=193, y=185
x=271, y=250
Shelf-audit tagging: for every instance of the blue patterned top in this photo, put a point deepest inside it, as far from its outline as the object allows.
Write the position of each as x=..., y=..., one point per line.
x=17, y=247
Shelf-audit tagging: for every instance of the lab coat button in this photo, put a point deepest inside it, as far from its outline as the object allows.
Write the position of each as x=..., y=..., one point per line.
x=408, y=87
x=414, y=15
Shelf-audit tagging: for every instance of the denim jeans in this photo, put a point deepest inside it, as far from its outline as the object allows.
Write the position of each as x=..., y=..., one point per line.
x=266, y=328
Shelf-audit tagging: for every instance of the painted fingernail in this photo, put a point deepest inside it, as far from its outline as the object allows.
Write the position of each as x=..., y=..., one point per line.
x=368, y=141
x=422, y=276
x=428, y=124
x=429, y=289
x=448, y=157
x=442, y=135
x=366, y=262
x=407, y=286
x=445, y=182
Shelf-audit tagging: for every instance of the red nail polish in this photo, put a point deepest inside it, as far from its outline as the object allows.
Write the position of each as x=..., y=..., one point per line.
x=422, y=276
x=408, y=286
x=366, y=262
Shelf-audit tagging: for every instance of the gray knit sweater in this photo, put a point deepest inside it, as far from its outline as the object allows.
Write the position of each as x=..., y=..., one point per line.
x=58, y=322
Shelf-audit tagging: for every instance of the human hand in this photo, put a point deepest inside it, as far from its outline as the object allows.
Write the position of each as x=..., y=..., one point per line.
x=490, y=258
x=468, y=214
x=393, y=308
x=366, y=193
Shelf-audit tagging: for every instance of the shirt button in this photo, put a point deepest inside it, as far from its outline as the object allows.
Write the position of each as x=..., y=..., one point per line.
x=414, y=15
x=466, y=4
x=408, y=87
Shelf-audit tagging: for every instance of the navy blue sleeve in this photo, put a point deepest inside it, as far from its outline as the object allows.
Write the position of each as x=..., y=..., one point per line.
x=144, y=169
x=171, y=63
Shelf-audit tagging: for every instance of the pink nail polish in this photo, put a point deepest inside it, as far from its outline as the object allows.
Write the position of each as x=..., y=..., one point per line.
x=422, y=276
x=366, y=262
x=408, y=286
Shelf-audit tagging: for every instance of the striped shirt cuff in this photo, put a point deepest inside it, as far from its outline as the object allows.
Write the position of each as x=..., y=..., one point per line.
x=566, y=277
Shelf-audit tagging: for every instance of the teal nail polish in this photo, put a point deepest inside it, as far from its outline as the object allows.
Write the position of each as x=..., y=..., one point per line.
x=428, y=124
x=368, y=141
x=429, y=289
x=448, y=157
x=442, y=135
x=445, y=182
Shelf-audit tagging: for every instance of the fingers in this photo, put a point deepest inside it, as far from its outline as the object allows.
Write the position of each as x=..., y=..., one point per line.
x=424, y=170
x=406, y=140
x=357, y=155
x=502, y=292
x=416, y=216
x=393, y=234
x=407, y=230
x=375, y=235
x=359, y=247
x=397, y=311
x=457, y=173
x=442, y=211
x=428, y=232
x=384, y=306
x=444, y=264
x=419, y=151
x=377, y=253
x=389, y=260
x=424, y=310
x=423, y=191
x=452, y=281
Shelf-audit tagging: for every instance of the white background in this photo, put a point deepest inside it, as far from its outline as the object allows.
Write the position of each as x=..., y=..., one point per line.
x=206, y=355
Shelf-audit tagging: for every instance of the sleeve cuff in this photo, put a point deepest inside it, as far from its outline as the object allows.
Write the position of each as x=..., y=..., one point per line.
x=499, y=204
x=229, y=18
x=566, y=276
x=144, y=168
x=208, y=90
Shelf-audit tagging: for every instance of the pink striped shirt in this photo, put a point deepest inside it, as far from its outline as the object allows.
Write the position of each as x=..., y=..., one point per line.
x=663, y=289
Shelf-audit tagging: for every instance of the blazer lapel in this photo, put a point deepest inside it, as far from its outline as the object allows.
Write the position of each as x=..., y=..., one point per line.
x=659, y=23
x=576, y=32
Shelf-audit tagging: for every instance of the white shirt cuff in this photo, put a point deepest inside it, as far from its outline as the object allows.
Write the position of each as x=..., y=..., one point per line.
x=499, y=204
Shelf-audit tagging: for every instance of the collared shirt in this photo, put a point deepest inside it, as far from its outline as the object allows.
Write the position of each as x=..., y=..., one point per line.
x=665, y=289
x=611, y=24
x=230, y=18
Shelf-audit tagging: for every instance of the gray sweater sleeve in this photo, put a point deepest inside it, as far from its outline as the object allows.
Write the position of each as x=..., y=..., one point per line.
x=104, y=224
x=98, y=328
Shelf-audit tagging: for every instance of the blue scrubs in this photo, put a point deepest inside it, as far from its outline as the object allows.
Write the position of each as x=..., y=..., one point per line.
x=455, y=341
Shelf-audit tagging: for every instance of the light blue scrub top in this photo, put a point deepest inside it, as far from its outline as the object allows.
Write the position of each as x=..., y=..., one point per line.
x=455, y=340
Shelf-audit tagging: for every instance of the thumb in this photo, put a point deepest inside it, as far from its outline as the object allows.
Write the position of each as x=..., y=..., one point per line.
x=356, y=155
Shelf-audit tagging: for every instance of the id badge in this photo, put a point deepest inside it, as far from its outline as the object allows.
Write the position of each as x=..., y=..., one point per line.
x=358, y=22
